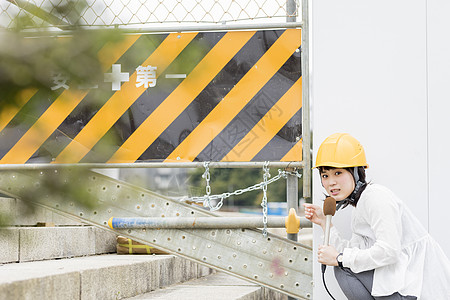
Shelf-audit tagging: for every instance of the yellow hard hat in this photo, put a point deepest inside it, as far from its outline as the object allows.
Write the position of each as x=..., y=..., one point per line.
x=341, y=150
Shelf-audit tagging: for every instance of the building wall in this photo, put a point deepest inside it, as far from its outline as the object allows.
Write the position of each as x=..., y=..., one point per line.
x=381, y=72
x=438, y=68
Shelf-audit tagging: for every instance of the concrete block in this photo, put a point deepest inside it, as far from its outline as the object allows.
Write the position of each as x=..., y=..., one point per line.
x=140, y=275
x=175, y=270
x=42, y=243
x=187, y=270
x=89, y=278
x=39, y=280
x=39, y=243
x=92, y=277
x=57, y=287
x=105, y=241
x=9, y=239
x=166, y=271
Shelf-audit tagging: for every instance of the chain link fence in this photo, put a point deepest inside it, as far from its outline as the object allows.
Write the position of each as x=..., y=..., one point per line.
x=143, y=14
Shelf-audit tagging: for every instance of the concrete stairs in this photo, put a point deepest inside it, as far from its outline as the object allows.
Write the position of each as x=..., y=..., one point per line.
x=94, y=277
x=22, y=241
x=71, y=260
x=217, y=286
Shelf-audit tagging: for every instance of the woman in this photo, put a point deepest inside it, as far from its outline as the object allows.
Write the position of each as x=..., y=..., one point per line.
x=390, y=255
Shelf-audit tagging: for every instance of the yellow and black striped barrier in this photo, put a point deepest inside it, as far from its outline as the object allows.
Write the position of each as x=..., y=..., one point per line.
x=179, y=97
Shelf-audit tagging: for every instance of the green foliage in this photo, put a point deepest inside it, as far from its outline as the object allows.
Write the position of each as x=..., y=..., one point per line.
x=30, y=54
x=61, y=184
x=29, y=63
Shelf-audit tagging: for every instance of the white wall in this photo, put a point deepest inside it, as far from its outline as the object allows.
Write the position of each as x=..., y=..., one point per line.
x=438, y=47
x=380, y=70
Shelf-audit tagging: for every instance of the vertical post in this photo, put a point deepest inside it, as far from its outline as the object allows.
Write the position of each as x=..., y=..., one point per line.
x=291, y=10
x=306, y=108
x=292, y=198
x=292, y=202
x=306, y=122
x=291, y=180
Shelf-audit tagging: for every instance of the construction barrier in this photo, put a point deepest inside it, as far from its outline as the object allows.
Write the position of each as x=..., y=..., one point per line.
x=178, y=97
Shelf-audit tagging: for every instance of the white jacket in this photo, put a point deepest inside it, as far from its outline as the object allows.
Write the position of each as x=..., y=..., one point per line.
x=387, y=237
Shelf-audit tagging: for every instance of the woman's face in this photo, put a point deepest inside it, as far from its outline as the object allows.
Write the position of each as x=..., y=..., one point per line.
x=338, y=183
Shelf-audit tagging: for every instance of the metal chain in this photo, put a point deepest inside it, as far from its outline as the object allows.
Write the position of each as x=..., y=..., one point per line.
x=207, y=176
x=206, y=200
x=266, y=177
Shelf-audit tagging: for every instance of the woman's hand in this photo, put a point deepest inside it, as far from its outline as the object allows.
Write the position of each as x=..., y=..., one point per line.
x=327, y=255
x=315, y=214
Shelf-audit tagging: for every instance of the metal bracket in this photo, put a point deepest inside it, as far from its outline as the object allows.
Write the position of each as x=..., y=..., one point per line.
x=273, y=261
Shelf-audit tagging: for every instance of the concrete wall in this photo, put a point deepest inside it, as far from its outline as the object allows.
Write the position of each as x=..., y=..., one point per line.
x=380, y=70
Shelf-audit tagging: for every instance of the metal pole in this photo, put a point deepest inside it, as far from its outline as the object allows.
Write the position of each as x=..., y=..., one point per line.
x=199, y=222
x=306, y=108
x=153, y=28
x=230, y=165
x=291, y=11
x=292, y=199
x=292, y=202
x=292, y=181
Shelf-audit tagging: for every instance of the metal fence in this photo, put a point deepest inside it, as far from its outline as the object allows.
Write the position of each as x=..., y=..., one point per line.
x=170, y=15
x=147, y=14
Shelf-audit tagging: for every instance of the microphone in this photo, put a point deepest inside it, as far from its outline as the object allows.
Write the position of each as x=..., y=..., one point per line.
x=329, y=209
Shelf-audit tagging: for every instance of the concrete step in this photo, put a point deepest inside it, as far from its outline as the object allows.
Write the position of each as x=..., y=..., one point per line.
x=217, y=286
x=95, y=277
x=21, y=244
x=62, y=262
x=22, y=241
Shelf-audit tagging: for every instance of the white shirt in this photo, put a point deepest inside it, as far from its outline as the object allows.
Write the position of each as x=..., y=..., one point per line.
x=387, y=237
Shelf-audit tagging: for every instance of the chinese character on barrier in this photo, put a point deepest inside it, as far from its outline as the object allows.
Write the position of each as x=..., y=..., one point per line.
x=146, y=76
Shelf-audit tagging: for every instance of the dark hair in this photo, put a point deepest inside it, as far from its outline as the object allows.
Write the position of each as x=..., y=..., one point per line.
x=354, y=197
x=361, y=173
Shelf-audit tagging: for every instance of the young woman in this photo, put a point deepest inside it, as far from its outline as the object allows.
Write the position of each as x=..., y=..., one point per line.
x=390, y=255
